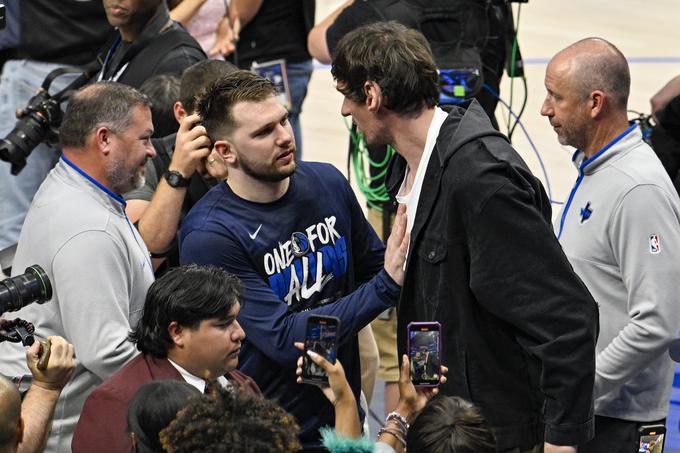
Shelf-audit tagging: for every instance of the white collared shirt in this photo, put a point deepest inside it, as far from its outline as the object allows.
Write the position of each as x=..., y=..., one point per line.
x=196, y=381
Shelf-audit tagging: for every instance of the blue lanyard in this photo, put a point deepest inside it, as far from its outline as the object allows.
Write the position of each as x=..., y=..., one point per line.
x=99, y=185
x=116, y=197
x=581, y=169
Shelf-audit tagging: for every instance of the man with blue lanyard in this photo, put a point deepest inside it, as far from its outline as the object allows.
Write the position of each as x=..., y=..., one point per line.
x=620, y=229
x=77, y=230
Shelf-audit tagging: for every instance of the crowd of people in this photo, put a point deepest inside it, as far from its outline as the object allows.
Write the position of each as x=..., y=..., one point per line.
x=188, y=245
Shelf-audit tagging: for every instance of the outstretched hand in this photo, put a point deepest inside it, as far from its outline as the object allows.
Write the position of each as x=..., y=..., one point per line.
x=412, y=399
x=397, y=247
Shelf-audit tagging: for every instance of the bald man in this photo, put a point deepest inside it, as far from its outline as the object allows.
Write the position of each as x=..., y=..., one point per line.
x=620, y=229
x=11, y=428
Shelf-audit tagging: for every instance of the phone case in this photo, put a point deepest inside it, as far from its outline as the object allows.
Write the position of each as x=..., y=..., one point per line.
x=412, y=326
x=306, y=361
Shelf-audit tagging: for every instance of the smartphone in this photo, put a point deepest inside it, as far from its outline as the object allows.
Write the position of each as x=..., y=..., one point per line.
x=321, y=337
x=651, y=438
x=424, y=353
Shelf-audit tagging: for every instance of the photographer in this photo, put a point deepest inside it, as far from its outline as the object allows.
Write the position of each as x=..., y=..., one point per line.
x=34, y=421
x=147, y=43
x=52, y=35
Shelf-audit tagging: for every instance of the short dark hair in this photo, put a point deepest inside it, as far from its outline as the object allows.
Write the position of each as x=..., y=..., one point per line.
x=449, y=424
x=99, y=104
x=198, y=76
x=163, y=91
x=153, y=407
x=232, y=421
x=395, y=57
x=215, y=104
x=188, y=295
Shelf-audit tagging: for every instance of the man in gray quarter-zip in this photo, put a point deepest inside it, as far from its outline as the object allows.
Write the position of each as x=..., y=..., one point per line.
x=76, y=229
x=620, y=229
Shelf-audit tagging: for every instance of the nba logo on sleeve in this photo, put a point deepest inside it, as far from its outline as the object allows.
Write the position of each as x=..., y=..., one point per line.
x=654, y=244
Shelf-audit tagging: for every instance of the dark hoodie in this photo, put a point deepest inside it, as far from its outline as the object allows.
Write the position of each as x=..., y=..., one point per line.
x=519, y=327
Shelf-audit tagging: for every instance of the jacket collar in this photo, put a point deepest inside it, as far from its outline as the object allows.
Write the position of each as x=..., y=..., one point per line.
x=76, y=177
x=466, y=122
x=609, y=153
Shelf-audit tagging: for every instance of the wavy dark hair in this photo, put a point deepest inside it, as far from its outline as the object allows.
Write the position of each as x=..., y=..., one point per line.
x=187, y=295
x=228, y=421
x=449, y=424
x=395, y=57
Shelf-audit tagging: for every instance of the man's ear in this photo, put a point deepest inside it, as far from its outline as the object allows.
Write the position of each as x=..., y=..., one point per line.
x=374, y=96
x=226, y=150
x=597, y=100
x=176, y=332
x=179, y=111
x=102, y=139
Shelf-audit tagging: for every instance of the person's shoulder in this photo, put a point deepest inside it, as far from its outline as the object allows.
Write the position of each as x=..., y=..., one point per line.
x=321, y=170
x=638, y=166
x=122, y=385
x=217, y=206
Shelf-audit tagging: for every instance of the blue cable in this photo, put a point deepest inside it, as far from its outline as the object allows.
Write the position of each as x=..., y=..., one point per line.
x=533, y=147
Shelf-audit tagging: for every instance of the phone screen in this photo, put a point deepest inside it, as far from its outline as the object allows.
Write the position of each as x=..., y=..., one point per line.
x=321, y=337
x=652, y=439
x=424, y=352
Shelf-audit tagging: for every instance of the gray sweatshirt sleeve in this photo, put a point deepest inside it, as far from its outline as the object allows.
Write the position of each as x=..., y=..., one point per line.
x=645, y=238
x=92, y=280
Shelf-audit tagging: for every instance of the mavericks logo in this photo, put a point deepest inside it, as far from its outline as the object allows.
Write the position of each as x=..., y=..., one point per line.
x=303, y=265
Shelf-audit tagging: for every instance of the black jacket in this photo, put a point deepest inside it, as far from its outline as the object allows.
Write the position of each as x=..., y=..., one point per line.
x=163, y=47
x=519, y=327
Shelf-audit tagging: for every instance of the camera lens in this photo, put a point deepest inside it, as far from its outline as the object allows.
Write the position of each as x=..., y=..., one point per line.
x=32, y=286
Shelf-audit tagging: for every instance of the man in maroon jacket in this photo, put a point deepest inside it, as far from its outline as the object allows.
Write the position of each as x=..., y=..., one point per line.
x=188, y=332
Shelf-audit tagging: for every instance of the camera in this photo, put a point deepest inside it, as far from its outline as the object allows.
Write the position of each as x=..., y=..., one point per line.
x=31, y=286
x=42, y=117
x=40, y=122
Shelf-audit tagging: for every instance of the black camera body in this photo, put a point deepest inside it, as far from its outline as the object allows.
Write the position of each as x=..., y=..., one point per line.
x=41, y=121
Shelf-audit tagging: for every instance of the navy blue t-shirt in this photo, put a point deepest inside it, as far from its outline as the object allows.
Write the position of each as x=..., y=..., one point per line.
x=309, y=252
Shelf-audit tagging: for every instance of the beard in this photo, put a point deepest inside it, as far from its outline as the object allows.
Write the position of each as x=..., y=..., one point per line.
x=267, y=173
x=122, y=180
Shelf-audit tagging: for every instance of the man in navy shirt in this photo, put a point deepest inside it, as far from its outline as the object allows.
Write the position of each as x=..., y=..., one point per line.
x=296, y=236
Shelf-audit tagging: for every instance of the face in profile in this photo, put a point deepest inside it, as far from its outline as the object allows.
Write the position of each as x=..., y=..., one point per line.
x=128, y=152
x=214, y=345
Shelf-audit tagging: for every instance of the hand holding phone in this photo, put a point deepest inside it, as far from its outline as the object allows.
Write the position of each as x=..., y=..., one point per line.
x=424, y=353
x=321, y=337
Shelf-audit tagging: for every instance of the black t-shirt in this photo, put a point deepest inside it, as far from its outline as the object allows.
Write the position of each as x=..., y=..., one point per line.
x=278, y=30
x=358, y=14
x=70, y=32
x=160, y=49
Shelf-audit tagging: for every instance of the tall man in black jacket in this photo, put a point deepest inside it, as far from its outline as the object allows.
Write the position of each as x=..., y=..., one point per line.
x=519, y=327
